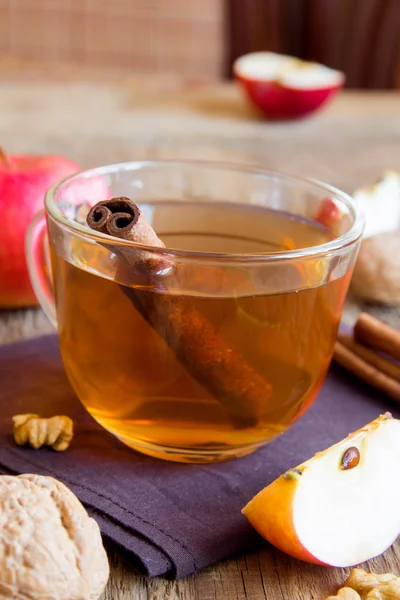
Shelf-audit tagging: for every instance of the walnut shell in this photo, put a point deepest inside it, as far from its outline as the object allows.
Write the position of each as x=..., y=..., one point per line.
x=50, y=549
x=376, y=276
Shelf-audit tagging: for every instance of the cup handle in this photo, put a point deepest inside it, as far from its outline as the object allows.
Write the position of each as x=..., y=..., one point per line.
x=38, y=261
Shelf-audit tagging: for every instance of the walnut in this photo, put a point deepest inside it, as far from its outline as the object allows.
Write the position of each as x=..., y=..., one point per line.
x=386, y=591
x=345, y=593
x=361, y=585
x=56, y=432
x=50, y=549
x=364, y=582
x=376, y=276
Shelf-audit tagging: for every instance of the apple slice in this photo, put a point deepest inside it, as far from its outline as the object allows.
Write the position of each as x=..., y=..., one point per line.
x=284, y=87
x=342, y=506
x=380, y=204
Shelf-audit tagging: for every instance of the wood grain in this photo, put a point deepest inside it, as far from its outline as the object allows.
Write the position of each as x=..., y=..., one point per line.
x=96, y=122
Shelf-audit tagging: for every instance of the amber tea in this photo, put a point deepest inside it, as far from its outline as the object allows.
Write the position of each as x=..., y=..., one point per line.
x=189, y=375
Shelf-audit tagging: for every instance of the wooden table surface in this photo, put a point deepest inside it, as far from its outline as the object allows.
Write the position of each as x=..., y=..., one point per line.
x=96, y=118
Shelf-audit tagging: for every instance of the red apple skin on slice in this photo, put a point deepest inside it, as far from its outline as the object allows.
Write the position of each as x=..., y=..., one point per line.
x=331, y=512
x=280, y=102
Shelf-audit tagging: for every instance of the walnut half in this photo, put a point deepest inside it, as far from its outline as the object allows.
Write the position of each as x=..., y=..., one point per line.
x=369, y=586
x=50, y=549
x=345, y=593
x=56, y=432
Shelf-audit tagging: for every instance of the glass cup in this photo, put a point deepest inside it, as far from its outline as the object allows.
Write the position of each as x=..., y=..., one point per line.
x=225, y=341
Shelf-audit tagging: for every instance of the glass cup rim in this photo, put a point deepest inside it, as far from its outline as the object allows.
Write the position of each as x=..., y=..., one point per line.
x=338, y=243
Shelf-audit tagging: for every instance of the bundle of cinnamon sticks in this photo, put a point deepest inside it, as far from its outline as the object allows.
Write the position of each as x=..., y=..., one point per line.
x=372, y=353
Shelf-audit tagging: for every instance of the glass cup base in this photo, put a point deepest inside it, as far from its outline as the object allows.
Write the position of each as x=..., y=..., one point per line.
x=184, y=455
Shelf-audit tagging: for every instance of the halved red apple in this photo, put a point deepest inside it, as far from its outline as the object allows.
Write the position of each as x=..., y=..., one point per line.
x=284, y=87
x=341, y=507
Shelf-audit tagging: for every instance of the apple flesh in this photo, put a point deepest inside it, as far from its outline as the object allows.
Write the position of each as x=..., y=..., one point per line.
x=284, y=87
x=323, y=513
x=24, y=180
x=380, y=204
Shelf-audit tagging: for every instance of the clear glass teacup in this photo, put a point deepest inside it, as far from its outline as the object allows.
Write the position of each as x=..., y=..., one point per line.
x=222, y=351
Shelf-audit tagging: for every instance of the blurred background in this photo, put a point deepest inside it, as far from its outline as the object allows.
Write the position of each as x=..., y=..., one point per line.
x=199, y=39
x=104, y=81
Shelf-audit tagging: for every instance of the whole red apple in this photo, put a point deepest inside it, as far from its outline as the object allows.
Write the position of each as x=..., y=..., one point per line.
x=24, y=181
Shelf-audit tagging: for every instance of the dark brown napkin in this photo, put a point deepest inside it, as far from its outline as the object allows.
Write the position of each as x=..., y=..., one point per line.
x=173, y=519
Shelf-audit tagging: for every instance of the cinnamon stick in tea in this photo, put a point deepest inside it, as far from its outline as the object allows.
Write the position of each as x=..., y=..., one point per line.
x=207, y=357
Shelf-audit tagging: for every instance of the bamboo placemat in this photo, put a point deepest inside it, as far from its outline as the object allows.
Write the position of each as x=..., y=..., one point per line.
x=178, y=36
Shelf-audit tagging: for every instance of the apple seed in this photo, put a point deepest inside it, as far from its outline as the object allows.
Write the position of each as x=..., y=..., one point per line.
x=350, y=458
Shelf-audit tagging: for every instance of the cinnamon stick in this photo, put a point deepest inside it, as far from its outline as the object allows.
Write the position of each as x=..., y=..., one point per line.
x=366, y=371
x=207, y=357
x=370, y=356
x=122, y=218
x=377, y=334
